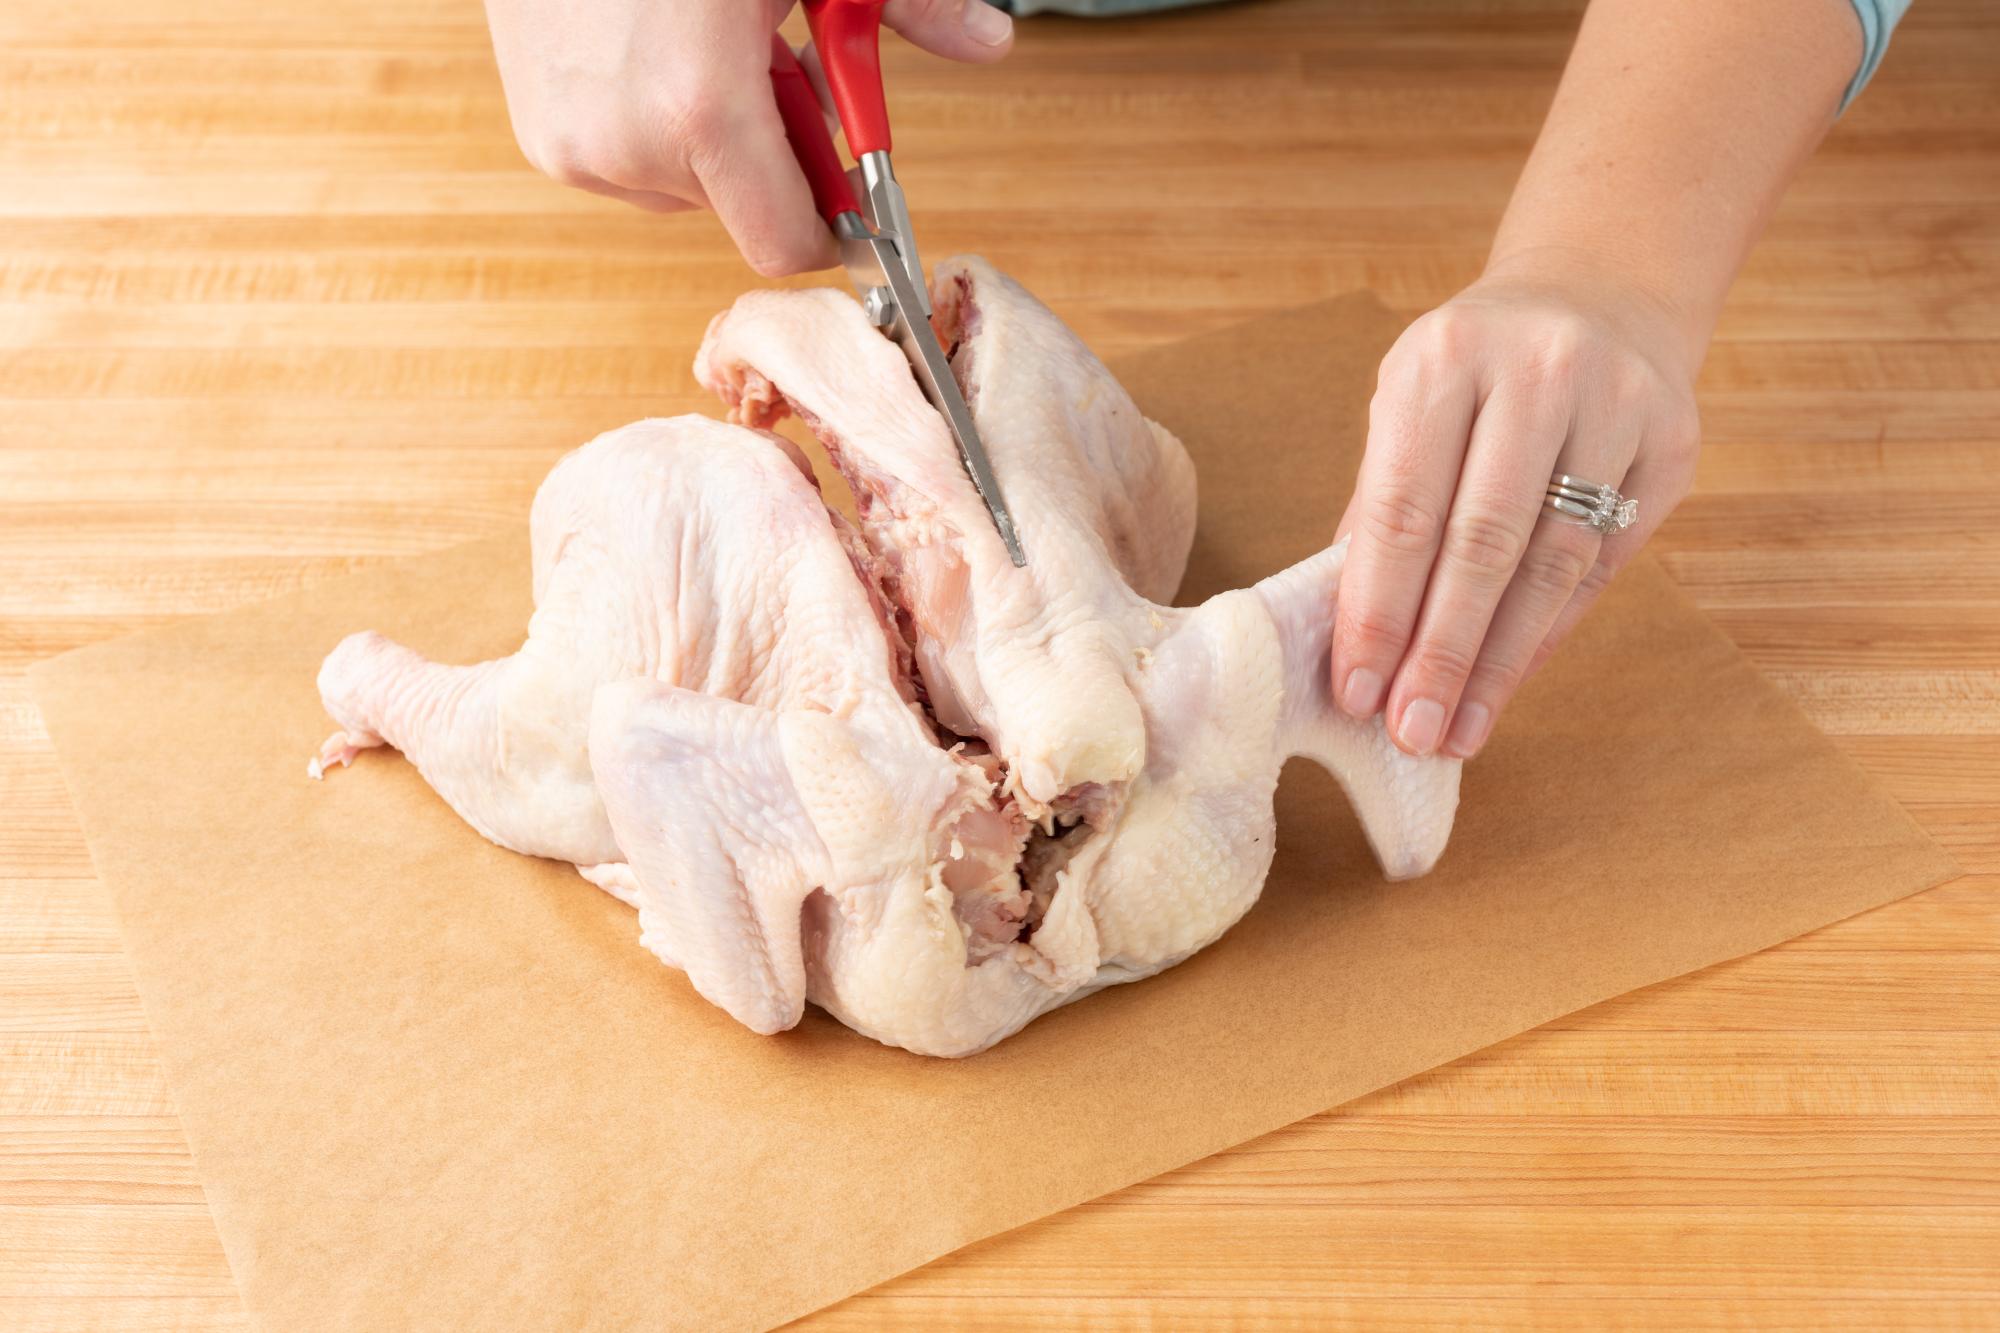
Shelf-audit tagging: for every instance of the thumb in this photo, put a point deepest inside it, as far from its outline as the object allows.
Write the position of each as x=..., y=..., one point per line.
x=969, y=30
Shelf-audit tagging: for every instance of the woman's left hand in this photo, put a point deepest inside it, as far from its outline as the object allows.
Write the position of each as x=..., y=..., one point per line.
x=1459, y=581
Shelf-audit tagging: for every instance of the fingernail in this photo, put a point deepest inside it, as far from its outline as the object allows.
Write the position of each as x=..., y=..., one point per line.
x=1423, y=721
x=1362, y=694
x=986, y=25
x=1468, y=730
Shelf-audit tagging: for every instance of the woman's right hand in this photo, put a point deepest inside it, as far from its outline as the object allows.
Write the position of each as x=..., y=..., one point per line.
x=667, y=104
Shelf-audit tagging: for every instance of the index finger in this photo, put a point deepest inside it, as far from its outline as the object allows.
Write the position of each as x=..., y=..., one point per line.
x=1418, y=427
x=754, y=184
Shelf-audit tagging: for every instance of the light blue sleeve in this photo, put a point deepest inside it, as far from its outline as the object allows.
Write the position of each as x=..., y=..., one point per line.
x=1878, y=20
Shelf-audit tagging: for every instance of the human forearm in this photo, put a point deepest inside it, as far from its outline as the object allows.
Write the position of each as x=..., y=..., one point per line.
x=1672, y=136
x=1675, y=130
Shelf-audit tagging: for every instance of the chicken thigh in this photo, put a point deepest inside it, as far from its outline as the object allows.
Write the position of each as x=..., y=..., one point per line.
x=887, y=771
x=698, y=558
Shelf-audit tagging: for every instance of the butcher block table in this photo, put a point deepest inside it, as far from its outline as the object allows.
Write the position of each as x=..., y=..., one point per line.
x=279, y=300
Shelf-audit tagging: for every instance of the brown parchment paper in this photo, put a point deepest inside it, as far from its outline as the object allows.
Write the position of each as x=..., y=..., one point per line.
x=429, y=1083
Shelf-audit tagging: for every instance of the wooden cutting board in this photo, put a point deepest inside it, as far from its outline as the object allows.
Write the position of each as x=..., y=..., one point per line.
x=277, y=298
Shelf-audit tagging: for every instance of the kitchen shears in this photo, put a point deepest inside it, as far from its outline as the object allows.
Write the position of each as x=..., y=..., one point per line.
x=877, y=245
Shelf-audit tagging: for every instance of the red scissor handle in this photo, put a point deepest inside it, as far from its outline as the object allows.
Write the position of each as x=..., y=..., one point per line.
x=847, y=34
x=812, y=144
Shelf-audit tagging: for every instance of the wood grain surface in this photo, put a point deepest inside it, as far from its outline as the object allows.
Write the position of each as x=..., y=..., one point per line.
x=278, y=298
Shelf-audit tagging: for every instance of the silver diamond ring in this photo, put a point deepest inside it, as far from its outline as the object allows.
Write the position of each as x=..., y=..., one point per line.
x=1590, y=503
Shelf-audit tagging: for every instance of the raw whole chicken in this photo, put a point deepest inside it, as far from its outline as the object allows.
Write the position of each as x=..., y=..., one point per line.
x=874, y=765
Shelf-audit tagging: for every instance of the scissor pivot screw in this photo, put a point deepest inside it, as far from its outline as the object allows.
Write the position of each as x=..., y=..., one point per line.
x=879, y=306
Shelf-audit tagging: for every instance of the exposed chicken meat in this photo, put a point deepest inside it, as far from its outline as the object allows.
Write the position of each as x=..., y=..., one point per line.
x=886, y=771
x=1029, y=659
